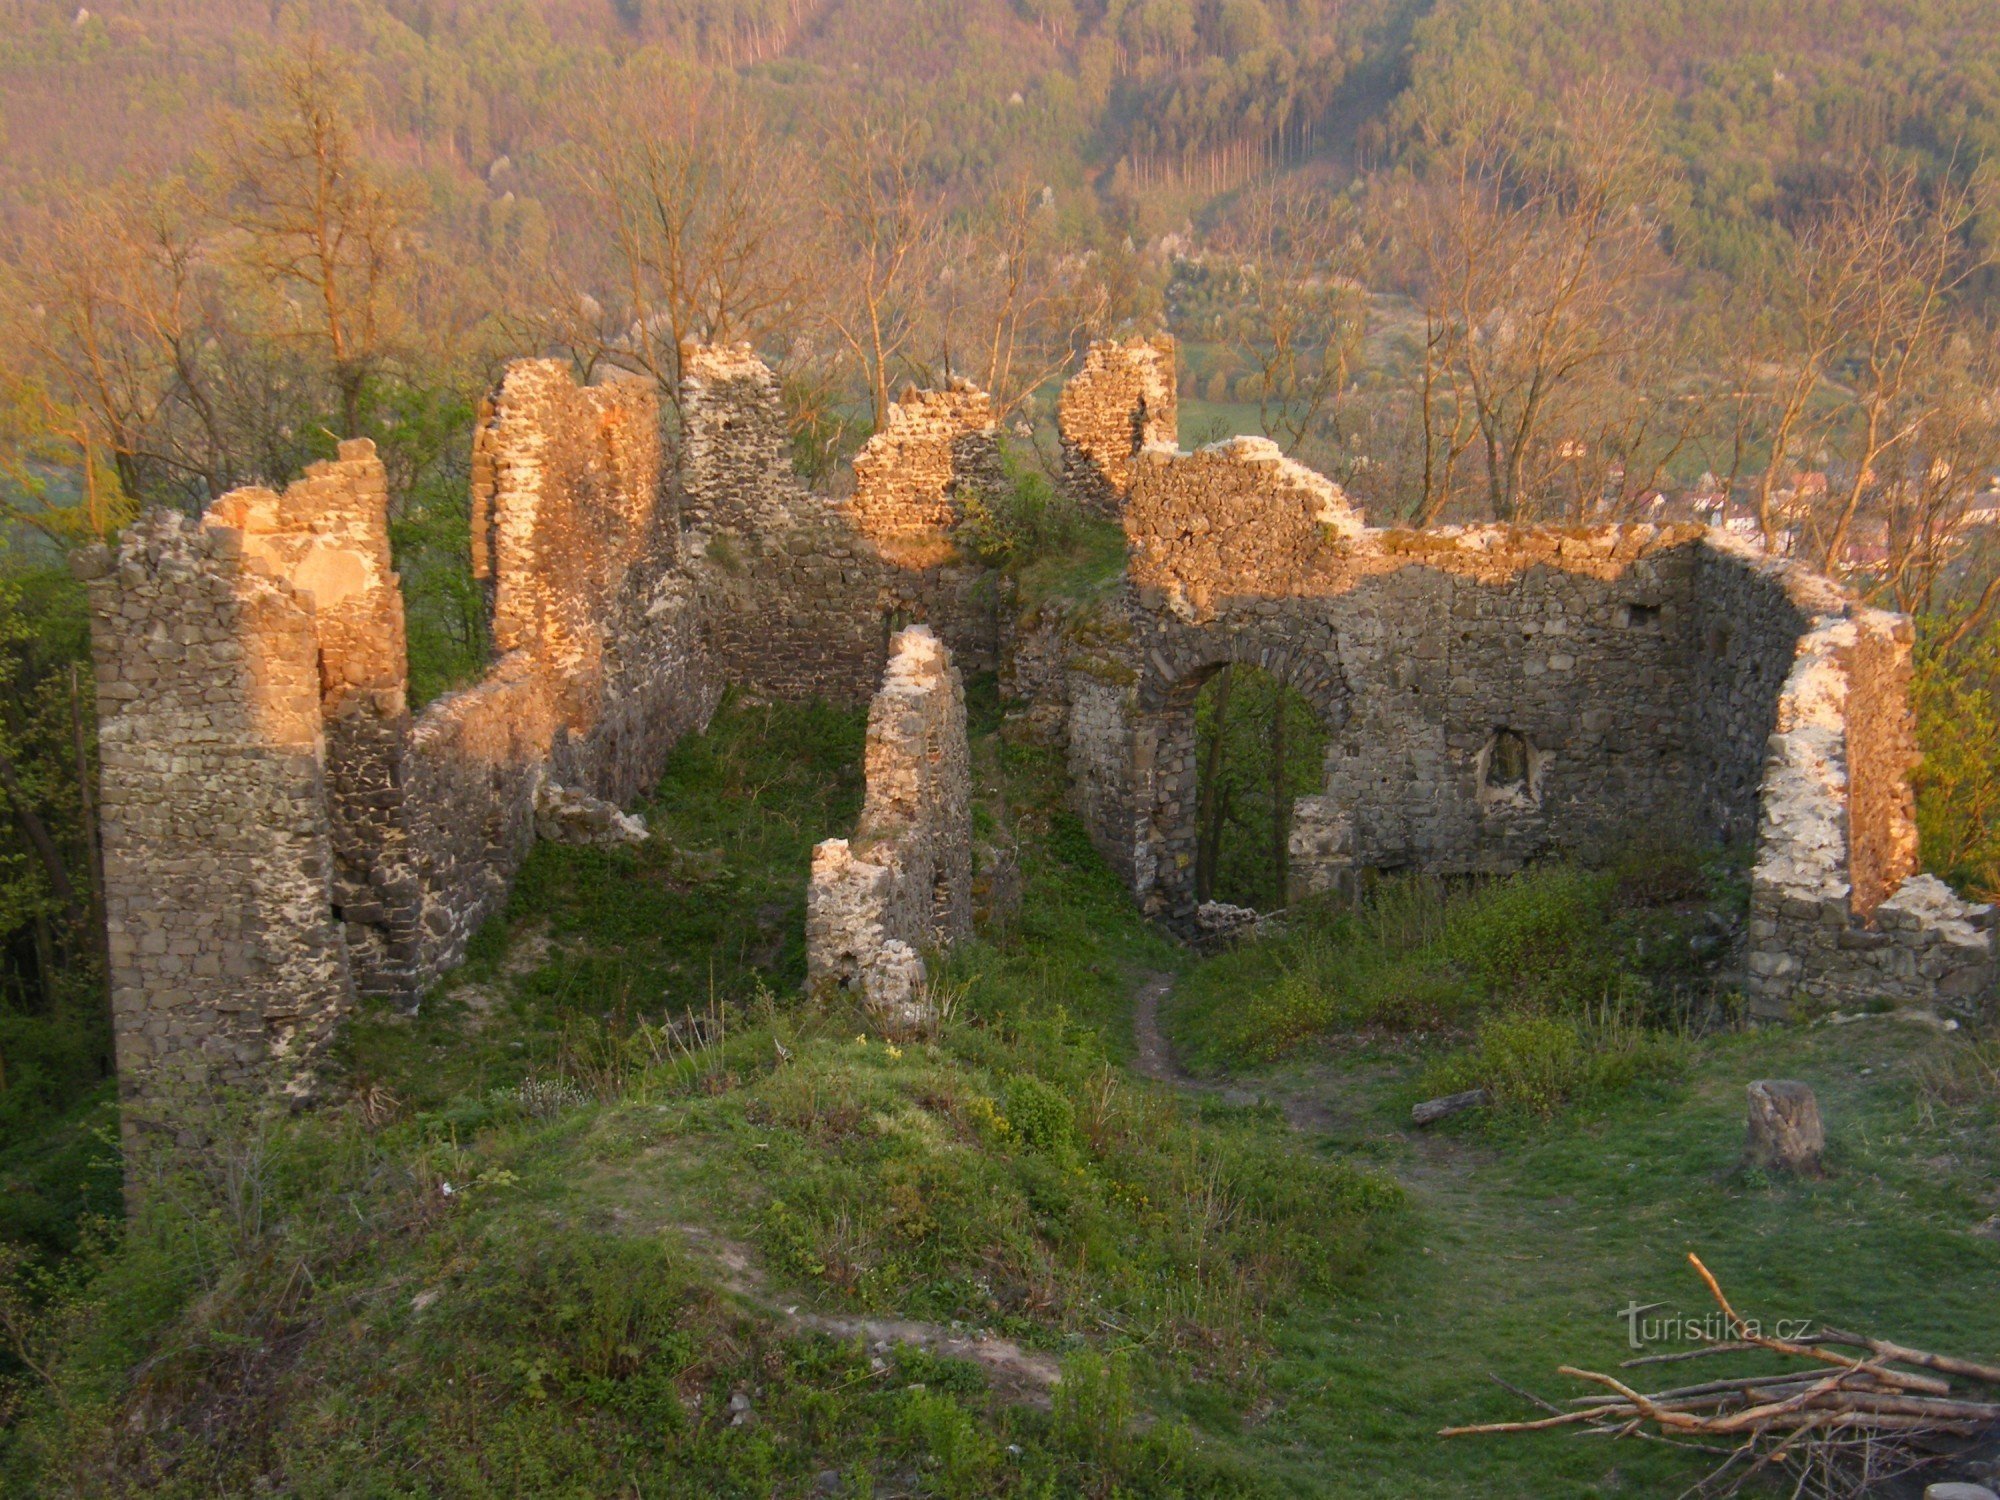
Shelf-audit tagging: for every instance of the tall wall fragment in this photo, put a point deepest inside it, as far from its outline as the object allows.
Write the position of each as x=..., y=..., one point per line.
x=226, y=956
x=903, y=882
x=328, y=535
x=1120, y=402
x=802, y=590
x=600, y=665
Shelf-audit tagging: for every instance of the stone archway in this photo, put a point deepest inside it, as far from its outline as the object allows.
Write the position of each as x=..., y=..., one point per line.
x=1299, y=654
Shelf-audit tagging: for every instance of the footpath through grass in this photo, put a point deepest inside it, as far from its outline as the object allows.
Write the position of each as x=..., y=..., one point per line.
x=620, y=1213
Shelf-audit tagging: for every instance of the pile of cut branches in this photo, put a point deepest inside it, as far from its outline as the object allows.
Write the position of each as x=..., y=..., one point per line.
x=1859, y=1412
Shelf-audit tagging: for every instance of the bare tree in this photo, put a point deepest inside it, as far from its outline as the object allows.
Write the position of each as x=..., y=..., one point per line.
x=1304, y=311
x=702, y=205
x=312, y=212
x=1886, y=260
x=1538, y=258
x=885, y=229
x=1012, y=301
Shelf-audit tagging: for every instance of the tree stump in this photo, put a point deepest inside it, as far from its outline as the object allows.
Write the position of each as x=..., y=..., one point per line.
x=1785, y=1130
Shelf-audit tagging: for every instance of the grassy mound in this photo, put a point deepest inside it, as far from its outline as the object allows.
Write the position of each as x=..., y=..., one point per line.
x=616, y=1212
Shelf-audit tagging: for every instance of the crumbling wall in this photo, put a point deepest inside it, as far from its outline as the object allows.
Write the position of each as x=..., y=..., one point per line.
x=279, y=832
x=328, y=534
x=1750, y=611
x=218, y=861
x=600, y=668
x=1490, y=694
x=1838, y=913
x=1494, y=694
x=903, y=882
x=801, y=591
x=1119, y=402
x=910, y=477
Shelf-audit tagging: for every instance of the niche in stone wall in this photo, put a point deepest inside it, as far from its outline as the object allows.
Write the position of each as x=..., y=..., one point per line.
x=1639, y=616
x=1510, y=772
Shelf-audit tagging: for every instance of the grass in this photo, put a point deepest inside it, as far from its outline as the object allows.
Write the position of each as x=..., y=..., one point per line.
x=617, y=1211
x=548, y=1238
x=1421, y=955
x=1525, y=1239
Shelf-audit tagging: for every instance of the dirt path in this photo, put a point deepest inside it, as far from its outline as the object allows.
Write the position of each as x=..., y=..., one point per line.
x=1012, y=1373
x=1304, y=1112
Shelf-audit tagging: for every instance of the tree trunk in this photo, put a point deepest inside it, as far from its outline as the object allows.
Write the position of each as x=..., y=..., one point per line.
x=1785, y=1130
x=1280, y=804
x=1208, y=803
x=45, y=847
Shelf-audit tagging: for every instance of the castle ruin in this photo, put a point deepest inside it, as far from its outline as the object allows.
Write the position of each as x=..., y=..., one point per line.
x=282, y=835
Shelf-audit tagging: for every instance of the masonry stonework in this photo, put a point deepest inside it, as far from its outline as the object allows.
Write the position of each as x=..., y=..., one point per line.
x=1496, y=694
x=903, y=882
x=281, y=834
x=1122, y=400
x=803, y=590
x=218, y=865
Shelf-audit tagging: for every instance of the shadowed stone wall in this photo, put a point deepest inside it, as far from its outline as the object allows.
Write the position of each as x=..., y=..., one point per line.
x=803, y=590
x=903, y=883
x=1496, y=694
x=1122, y=399
x=218, y=859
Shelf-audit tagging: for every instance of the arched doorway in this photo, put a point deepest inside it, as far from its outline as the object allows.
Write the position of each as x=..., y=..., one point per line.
x=1167, y=757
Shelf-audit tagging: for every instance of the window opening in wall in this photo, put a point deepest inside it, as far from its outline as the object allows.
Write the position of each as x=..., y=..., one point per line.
x=1259, y=745
x=1642, y=616
x=1507, y=762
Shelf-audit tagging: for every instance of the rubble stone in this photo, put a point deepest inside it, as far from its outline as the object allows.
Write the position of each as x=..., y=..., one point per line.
x=903, y=882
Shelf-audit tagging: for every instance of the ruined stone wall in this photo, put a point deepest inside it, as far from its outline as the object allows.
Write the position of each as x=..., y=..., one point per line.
x=1119, y=402
x=1428, y=656
x=909, y=478
x=801, y=591
x=1881, y=754
x=1838, y=913
x=1496, y=694
x=903, y=882
x=328, y=534
x=1750, y=611
x=601, y=668
x=279, y=831
x=218, y=858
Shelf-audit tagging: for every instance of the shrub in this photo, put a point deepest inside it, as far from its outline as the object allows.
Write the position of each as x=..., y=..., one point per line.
x=1536, y=1064
x=1041, y=1117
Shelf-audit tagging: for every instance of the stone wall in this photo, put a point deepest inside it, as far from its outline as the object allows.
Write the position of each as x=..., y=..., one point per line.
x=909, y=478
x=1493, y=695
x=328, y=534
x=1839, y=914
x=218, y=857
x=903, y=882
x=278, y=833
x=1121, y=400
x=596, y=624
x=801, y=591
